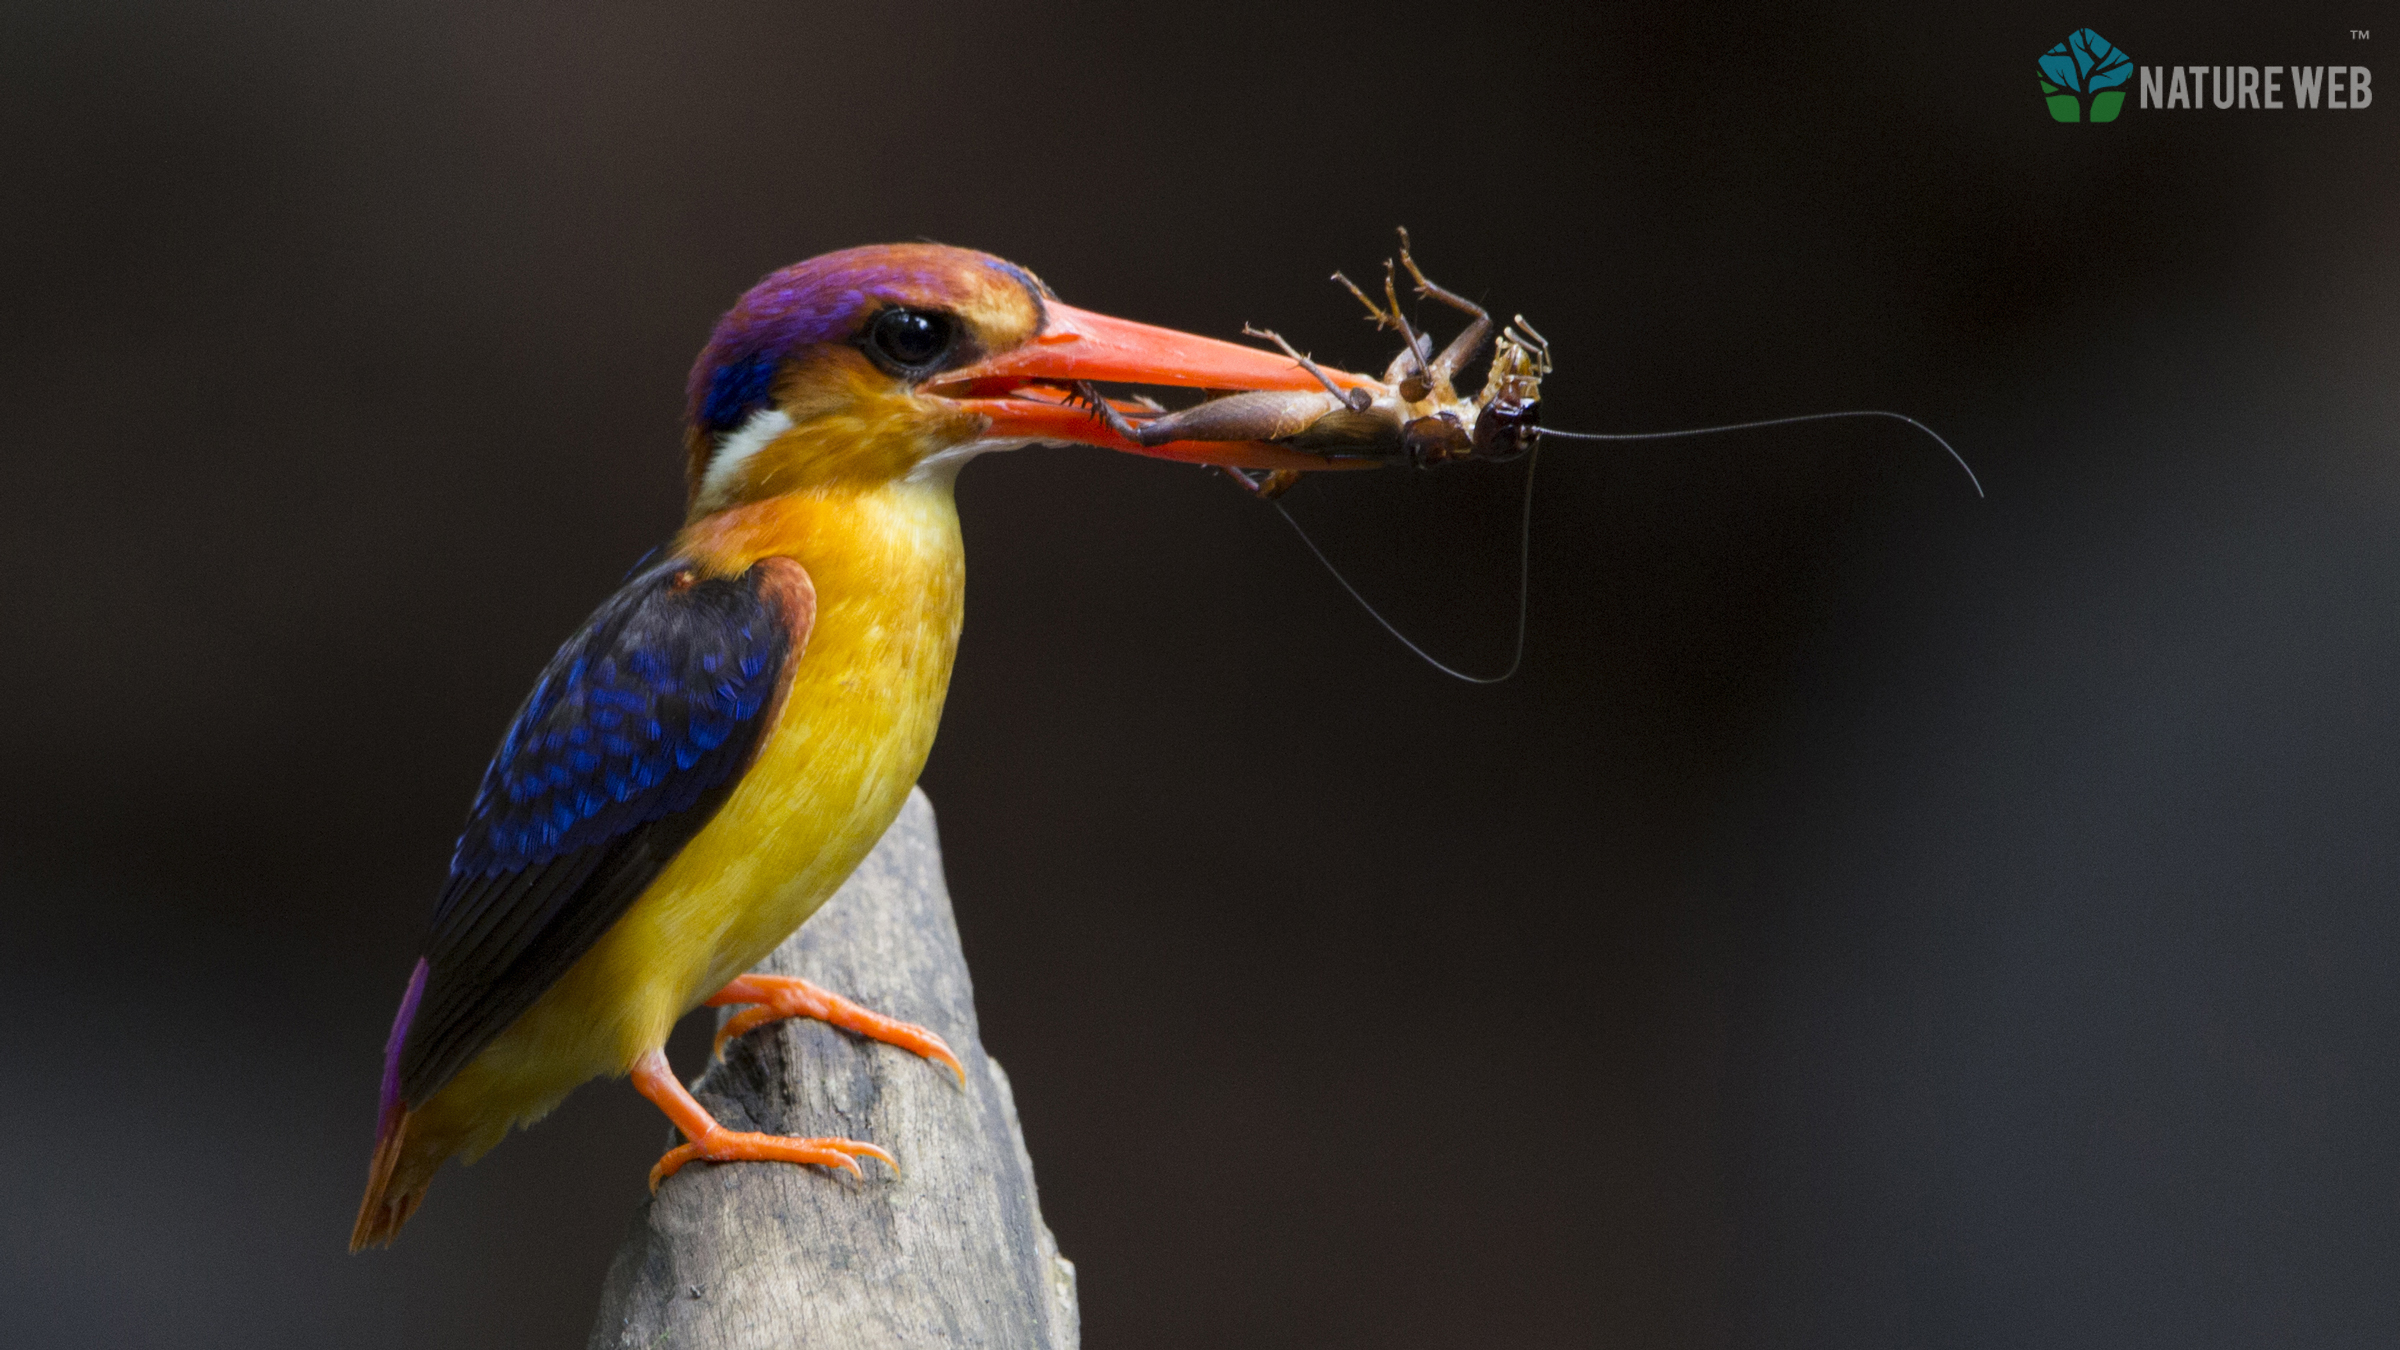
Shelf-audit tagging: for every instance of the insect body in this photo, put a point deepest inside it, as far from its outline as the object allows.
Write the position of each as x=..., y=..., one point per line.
x=1413, y=415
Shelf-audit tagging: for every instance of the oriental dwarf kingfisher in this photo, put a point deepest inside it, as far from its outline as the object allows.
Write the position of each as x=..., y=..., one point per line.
x=709, y=757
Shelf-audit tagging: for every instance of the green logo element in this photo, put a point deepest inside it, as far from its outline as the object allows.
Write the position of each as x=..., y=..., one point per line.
x=2085, y=65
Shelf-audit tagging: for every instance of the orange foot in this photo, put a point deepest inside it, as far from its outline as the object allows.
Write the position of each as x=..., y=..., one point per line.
x=711, y=1142
x=777, y=997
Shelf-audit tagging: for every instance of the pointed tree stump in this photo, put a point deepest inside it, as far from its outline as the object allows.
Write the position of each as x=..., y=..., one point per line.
x=952, y=1252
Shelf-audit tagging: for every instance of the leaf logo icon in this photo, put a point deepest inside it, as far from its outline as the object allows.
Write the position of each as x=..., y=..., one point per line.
x=2086, y=64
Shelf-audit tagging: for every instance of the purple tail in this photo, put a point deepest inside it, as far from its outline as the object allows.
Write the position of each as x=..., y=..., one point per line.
x=391, y=1049
x=387, y=1205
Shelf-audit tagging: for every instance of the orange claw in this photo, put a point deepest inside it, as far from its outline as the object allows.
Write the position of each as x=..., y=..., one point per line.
x=711, y=1142
x=777, y=997
x=723, y=1145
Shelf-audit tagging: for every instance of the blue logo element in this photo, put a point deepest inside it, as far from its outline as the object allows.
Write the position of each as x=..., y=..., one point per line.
x=2085, y=65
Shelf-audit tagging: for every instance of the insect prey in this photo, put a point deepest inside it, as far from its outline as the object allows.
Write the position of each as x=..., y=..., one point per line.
x=1413, y=415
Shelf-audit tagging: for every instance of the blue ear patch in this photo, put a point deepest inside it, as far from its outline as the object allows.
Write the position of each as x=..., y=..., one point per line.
x=736, y=390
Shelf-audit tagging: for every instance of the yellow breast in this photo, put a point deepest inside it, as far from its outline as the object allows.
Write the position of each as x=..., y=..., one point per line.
x=832, y=773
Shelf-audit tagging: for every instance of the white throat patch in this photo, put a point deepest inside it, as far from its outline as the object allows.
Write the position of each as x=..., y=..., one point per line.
x=736, y=448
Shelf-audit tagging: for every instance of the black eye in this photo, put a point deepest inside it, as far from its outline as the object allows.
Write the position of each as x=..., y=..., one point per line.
x=910, y=341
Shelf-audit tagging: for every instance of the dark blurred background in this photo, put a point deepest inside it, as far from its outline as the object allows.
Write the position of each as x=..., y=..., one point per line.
x=1875, y=917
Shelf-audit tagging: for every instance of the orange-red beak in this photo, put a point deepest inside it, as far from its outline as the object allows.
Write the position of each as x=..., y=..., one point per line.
x=1026, y=392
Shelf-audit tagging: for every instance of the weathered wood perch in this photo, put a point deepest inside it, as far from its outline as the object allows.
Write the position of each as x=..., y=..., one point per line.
x=952, y=1252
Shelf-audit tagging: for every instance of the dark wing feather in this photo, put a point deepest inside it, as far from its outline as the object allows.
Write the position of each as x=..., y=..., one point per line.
x=631, y=739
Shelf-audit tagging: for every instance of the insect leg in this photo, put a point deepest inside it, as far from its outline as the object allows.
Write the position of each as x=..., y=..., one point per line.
x=1462, y=348
x=1356, y=400
x=1266, y=486
x=1411, y=382
x=1419, y=385
x=1374, y=311
x=1106, y=412
x=1531, y=337
x=1259, y=415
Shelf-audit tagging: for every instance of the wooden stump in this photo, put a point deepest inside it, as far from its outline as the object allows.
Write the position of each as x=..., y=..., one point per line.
x=952, y=1252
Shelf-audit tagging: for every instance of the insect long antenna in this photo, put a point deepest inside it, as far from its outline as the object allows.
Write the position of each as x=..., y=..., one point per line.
x=1771, y=422
x=1516, y=657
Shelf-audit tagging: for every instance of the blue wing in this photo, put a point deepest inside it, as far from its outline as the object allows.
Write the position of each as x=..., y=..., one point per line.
x=631, y=739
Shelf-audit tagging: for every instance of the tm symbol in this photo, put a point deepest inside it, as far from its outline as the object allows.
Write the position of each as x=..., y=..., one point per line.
x=2358, y=35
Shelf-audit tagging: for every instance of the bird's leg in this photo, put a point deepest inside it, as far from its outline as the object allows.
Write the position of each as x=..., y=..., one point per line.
x=773, y=998
x=654, y=1078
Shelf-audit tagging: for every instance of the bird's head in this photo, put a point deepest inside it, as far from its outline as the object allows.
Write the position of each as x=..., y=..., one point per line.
x=876, y=363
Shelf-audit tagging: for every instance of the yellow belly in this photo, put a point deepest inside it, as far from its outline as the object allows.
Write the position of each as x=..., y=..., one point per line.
x=830, y=777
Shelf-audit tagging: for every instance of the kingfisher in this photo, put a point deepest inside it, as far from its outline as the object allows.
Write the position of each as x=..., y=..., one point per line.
x=708, y=758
